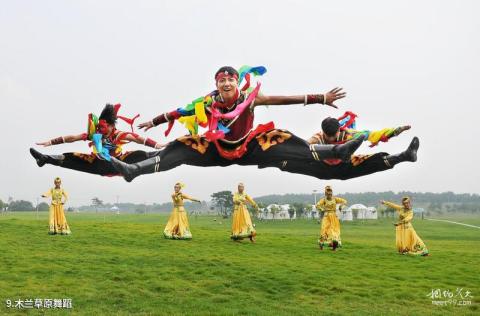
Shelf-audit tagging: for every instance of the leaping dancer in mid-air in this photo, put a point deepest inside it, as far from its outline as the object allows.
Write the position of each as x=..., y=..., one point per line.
x=228, y=112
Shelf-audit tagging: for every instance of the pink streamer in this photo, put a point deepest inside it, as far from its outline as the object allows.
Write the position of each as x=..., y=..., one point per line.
x=213, y=133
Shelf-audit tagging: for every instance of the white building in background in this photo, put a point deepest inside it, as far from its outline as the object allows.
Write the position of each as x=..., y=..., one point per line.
x=281, y=214
x=361, y=211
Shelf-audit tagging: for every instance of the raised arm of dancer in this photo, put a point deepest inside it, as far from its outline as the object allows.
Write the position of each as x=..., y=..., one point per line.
x=47, y=194
x=63, y=139
x=328, y=98
x=144, y=141
x=188, y=197
x=392, y=205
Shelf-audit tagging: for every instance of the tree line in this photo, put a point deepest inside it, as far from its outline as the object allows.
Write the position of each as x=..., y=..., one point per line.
x=222, y=202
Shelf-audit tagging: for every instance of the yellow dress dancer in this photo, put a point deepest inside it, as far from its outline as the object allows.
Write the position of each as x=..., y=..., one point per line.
x=407, y=239
x=177, y=226
x=57, y=223
x=330, y=229
x=242, y=226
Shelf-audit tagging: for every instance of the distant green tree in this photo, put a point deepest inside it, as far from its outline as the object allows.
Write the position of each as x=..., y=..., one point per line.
x=274, y=209
x=20, y=205
x=223, y=200
x=307, y=209
x=2, y=205
x=435, y=206
x=291, y=210
x=43, y=207
x=298, y=208
x=96, y=202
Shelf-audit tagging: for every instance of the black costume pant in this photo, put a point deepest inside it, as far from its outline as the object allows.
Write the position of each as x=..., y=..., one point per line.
x=90, y=163
x=300, y=160
x=343, y=171
x=273, y=147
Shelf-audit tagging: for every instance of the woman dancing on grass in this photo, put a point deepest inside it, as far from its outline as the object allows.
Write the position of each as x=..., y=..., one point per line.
x=407, y=239
x=57, y=223
x=242, y=226
x=330, y=229
x=177, y=226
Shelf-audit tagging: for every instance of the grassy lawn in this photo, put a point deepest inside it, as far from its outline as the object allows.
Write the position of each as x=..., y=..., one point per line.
x=120, y=264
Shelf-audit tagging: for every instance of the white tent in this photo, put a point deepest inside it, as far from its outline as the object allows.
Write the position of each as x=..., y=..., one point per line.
x=281, y=214
x=361, y=211
x=345, y=214
x=115, y=209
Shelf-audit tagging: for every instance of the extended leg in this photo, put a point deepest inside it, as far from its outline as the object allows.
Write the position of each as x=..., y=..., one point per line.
x=276, y=146
x=174, y=155
x=88, y=163
x=357, y=167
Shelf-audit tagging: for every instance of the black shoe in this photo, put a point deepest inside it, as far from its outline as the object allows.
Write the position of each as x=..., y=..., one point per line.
x=42, y=159
x=39, y=157
x=411, y=152
x=408, y=155
x=334, y=245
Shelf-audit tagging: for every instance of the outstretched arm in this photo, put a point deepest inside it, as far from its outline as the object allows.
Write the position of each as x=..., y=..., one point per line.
x=160, y=119
x=188, y=197
x=63, y=139
x=251, y=201
x=341, y=202
x=144, y=141
x=328, y=98
x=47, y=194
x=392, y=205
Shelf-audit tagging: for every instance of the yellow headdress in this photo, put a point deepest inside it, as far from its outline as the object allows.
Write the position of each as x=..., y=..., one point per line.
x=182, y=185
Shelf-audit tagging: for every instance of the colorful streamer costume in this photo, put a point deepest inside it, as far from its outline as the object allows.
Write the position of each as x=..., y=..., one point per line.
x=231, y=137
x=242, y=226
x=177, y=226
x=407, y=240
x=357, y=165
x=330, y=229
x=57, y=223
x=104, y=146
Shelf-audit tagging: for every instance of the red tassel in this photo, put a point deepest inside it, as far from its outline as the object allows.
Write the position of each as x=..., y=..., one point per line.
x=170, y=125
x=129, y=121
x=116, y=107
x=247, y=84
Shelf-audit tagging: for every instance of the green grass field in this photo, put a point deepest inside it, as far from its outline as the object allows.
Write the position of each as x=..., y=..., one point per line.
x=121, y=265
